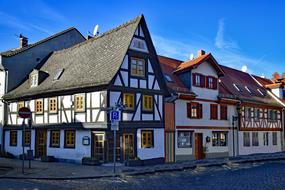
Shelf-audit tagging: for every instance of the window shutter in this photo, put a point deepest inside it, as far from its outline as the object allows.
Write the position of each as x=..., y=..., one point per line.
x=215, y=83
x=202, y=78
x=194, y=79
x=207, y=81
x=200, y=111
x=189, y=110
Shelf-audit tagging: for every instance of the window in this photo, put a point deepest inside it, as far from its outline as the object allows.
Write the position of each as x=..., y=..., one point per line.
x=13, y=138
x=256, y=114
x=255, y=141
x=137, y=67
x=58, y=73
x=272, y=115
x=168, y=78
x=224, y=112
x=39, y=106
x=147, y=139
x=247, y=89
x=34, y=80
x=27, y=138
x=274, y=138
x=129, y=101
x=55, y=138
x=194, y=110
x=138, y=44
x=103, y=100
x=53, y=105
x=237, y=88
x=246, y=139
x=147, y=103
x=69, y=139
x=219, y=138
x=211, y=82
x=21, y=105
x=265, y=139
x=184, y=139
x=214, y=111
x=260, y=92
x=79, y=103
x=247, y=112
x=198, y=80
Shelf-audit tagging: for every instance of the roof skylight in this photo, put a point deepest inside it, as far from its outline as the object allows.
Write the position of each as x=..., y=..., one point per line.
x=58, y=73
x=168, y=78
x=236, y=86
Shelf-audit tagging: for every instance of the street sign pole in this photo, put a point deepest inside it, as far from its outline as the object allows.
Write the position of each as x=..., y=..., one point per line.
x=115, y=138
x=30, y=148
x=114, y=127
x=23, y=146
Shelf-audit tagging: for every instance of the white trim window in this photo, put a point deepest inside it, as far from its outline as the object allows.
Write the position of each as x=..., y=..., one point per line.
x=255, y=141
x=219, y=138
x=274, y=139
x=34, y=80
x=184, y=139
x=265, y=139
x=246, y=139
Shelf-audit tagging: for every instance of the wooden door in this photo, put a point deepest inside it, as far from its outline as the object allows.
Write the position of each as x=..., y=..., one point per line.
x=99, y=152
x=198, y=146
x=41, y=143
x=128, y=139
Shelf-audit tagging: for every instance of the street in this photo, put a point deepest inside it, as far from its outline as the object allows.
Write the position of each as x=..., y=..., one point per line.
x=269, y=175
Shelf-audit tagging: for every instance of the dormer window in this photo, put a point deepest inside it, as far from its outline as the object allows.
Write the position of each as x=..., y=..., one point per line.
x=34, y=80
x=198, y=80
x=211, y=82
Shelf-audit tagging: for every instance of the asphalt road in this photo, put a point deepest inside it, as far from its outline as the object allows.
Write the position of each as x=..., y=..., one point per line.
x=260, y=176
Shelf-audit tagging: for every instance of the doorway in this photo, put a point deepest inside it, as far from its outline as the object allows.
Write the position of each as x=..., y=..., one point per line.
x=199, y=146
x=99, y=152
x=128, y=147
x=41, y=143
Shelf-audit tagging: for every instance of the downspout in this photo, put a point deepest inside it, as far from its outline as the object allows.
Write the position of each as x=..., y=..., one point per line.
x=4, y=111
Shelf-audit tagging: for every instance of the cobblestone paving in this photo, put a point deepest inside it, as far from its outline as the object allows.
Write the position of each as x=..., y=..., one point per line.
x=261, y=176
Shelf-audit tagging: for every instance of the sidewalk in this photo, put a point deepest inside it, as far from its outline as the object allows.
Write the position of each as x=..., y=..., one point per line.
x=12, y=168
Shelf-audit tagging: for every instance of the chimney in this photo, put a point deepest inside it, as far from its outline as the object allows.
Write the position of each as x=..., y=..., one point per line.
x=200, y=52
x=88, y=37
x=23, y=41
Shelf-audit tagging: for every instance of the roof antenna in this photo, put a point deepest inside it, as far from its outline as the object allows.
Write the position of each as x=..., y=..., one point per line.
x=96, y=30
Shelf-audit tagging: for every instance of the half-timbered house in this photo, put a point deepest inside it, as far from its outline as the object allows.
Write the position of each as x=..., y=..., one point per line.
x=70, y=91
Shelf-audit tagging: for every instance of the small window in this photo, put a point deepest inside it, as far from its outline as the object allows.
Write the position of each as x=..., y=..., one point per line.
x=260, y=92
x=53, y=105
x=224, y=112
x=198, y=80
x=272, y=115
x=27, y=138
x=55, y=138
x=103, y=100
x=211, y=82
x=237, y=88
x=255, y=141
x=246, y=139
x=184, y=139
x=168, y=78
x=129, y=101
x=34, y=80
x=247, y=89
x=137, y=67
x=13, y=138
x=274, y=138
x=58, y=74
x=39, y=106
x=214, y=111
x=79, y=103
x=256, y=114
x=265, y=139
x=147, y=103
x=69, y=139
x=247, y=112
x=219, y=138
x=147, y=139
x=138, y=44
x=21, y=105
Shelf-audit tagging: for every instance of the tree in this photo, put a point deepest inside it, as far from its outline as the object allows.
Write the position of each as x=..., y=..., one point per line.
x=276, y=76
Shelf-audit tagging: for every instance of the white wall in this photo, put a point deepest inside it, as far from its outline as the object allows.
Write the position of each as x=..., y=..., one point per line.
x=261, y=148
x=157, y=151
x=278, y=92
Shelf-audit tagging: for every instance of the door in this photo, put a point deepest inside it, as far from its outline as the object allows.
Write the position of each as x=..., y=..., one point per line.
x=99, y=152
x=41, y=143
x=128, y=139
x=199, y=146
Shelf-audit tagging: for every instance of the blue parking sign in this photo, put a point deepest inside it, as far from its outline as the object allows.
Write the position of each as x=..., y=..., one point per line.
x=115, y=115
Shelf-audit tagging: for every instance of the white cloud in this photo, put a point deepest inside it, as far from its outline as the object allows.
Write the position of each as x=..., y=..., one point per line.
x=220, y=41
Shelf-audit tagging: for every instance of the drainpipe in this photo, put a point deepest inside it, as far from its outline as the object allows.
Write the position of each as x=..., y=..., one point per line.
x=238, y=108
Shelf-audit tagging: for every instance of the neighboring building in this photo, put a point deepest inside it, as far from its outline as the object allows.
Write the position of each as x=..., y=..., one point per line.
x=217, y=111
x=70, y=91
x=15, y=64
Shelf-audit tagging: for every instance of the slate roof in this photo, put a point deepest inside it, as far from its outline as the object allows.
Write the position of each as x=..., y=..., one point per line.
x=15, y=51
x=243, y=80
x=91, y=63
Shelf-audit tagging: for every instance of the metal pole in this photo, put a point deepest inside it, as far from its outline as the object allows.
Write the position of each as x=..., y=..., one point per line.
x=233, y=124
x=30, y=148
x=23, y=146
x=114, y=169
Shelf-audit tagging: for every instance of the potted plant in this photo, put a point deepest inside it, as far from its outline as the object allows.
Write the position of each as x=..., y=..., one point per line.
x=132, y=162
x=90, y=161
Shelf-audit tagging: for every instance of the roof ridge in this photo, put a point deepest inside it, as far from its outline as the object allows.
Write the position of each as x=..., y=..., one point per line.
x=205, y=55
x=110, y=31
x=163, y=56
x=15, y=51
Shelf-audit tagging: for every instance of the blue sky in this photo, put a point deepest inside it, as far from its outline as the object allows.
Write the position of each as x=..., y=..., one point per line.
x=238, y=33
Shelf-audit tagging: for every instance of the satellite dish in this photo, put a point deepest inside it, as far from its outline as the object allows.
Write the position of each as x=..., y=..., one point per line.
x=244, y=68
x=191, y=56
x=96, y=30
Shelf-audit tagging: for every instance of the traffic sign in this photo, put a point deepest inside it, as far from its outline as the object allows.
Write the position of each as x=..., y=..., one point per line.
x=115, y=126
x=24, y=112
x=115, y=116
